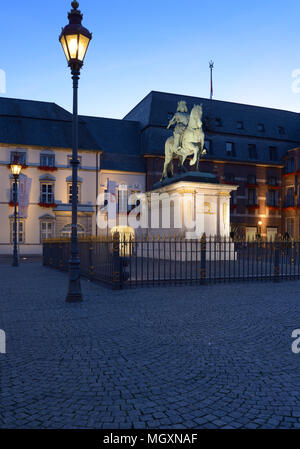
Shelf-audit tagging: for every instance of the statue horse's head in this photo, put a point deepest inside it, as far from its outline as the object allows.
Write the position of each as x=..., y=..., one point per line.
x=196, y=117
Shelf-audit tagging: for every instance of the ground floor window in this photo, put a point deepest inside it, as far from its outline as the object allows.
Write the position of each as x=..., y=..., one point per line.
x=290, y=226
x=20, y=231
x=46, y=230
x=251, y=233
x=272, y=233
x=66, y=232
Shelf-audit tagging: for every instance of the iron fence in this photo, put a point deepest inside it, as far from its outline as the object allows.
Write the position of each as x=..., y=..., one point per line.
x=152, y=261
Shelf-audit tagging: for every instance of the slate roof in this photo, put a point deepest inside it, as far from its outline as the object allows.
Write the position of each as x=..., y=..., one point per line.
x=120, y=142
x=25, y=122
x=154, y=111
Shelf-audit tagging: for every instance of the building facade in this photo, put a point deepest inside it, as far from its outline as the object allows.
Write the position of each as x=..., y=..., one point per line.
x=256, y=148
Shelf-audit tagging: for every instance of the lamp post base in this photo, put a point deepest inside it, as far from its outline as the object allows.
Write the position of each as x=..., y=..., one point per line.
x=74, y=292
x=73, y=297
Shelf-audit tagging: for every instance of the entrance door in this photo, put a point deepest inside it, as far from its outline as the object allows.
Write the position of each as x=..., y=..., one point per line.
x=251, y=233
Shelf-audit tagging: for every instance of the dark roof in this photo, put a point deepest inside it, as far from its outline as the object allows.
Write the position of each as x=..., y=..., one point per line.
x=24, y=122
x=120, y=142
x=154, y=111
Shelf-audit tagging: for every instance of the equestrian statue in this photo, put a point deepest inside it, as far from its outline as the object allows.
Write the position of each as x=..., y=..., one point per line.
x=187, y=140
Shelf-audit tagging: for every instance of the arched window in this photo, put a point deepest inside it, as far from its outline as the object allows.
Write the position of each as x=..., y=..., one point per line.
x=66, y=231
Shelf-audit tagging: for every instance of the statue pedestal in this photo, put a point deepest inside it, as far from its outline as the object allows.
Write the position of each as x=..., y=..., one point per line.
x=188, y=206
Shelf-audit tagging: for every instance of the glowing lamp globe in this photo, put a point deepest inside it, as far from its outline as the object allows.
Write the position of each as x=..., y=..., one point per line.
x=16, y=167
x=75, y=39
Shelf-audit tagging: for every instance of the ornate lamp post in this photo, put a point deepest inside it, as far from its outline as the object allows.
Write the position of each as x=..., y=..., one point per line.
x=75, y=40
x=16, y=168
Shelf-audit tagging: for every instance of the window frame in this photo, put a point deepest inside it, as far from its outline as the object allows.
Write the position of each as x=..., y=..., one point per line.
x=47, y=183
x=20, y=221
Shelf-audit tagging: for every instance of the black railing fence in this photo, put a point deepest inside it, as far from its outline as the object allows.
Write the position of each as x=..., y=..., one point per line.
x=151, y=261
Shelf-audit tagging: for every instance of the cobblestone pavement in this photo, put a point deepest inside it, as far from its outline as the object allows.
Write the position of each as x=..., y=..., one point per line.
x=187, y=357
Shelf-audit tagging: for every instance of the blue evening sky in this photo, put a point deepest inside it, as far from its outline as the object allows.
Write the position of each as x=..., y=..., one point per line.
x=144, y=45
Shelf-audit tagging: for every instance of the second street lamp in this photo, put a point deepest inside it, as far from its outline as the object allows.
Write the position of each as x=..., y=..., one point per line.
x=75, y=40
x=16, y=168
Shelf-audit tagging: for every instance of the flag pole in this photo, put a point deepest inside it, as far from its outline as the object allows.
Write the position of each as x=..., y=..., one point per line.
x=211, y=66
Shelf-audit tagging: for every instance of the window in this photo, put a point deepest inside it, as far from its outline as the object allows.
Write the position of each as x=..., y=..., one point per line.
x=230, y=178
x=46, y=230
x=290, y=197
x=208, y=146
x=70, y=195
x=272, y=181
x=252, y=151
x=20, y=155
x=240, y=125
x=47, y=193
x=251, y=179
x=261, y=127
x=233, y=198
x=20, y=231
x=230, y=150
x=123, y=199
x=290, y=226
x=272, y=198
x=47, y=160
x=218, y=122
x=273, y=156
x=252, y=197
x=66, y=232
x=70, y=159
x=170, y=115
x=290, y=165
x=281, y=130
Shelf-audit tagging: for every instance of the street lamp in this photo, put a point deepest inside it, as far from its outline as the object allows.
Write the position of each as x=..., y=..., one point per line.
x=16, y=168
x=260, y=223
x=75, y=40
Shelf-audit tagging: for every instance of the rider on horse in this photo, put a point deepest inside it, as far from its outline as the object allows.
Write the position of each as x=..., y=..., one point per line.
x=181, y=118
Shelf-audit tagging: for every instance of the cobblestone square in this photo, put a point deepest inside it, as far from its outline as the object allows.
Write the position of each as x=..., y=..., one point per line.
x=215, y=356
